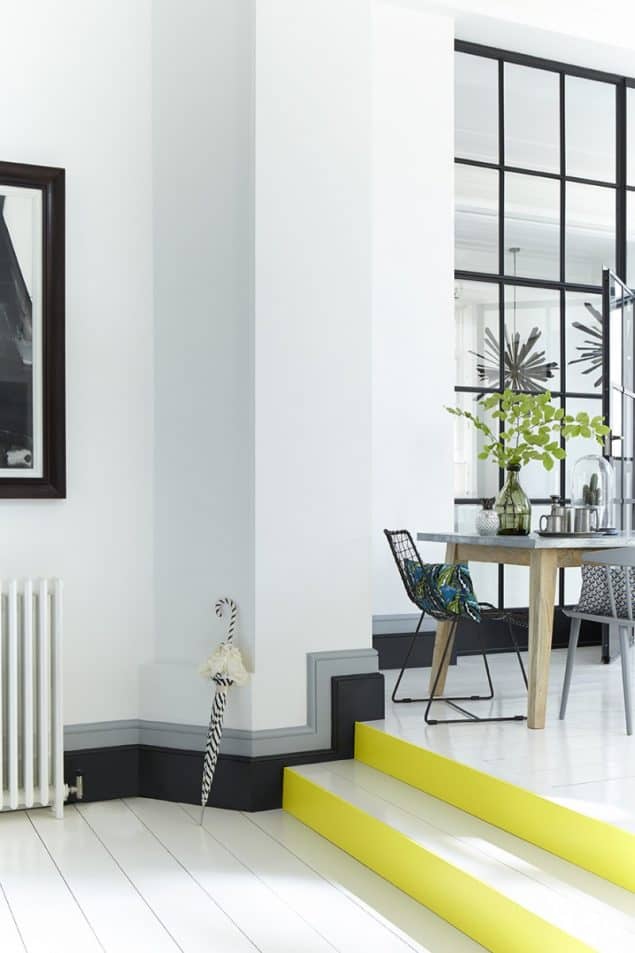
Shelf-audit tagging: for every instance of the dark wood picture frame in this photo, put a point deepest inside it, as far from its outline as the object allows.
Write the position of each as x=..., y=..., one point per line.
x=51, y=483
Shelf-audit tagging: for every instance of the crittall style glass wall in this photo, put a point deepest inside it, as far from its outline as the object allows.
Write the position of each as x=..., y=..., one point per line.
x=545, y=199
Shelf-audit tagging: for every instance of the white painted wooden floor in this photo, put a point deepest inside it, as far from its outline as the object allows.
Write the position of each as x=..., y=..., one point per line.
x=586, y=761
x=140, y=876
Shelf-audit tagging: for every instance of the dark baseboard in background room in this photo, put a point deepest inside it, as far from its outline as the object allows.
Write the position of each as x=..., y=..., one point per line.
x=240, y=783
x=392, y=647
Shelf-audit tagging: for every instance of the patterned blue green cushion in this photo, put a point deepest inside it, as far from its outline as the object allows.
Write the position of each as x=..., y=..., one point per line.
x=443, y=590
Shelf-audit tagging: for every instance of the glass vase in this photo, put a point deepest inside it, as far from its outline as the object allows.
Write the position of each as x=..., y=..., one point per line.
x=513, y=507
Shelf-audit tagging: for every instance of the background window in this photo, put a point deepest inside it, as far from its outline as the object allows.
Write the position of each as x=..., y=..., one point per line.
x=538, y=215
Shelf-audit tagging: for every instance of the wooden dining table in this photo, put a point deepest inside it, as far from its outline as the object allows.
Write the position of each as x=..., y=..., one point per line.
x=544, y=557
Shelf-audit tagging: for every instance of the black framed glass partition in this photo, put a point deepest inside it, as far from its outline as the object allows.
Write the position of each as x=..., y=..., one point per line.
x=544, y=201
x=618, y=391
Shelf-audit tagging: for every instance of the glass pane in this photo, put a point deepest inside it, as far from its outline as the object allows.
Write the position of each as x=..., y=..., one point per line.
x=615, y=418
x=476, y=312
x=476, y=107
x=583, y=329
x=627, y=418
x=532, y=123
x=630, y=238
x=572, y=585
x=627, y=518
x=590, y=129
x=629, y=490
x=539, y=483
x=623, y=512
x=516, y=591
x=21, y=340
x=580, y=446
x=476, y=219
x=532, y=226
x=615, y=338
x=590, y=232
x=473, y=478
x=628, y=379
x=532, y=339
x=630, y=136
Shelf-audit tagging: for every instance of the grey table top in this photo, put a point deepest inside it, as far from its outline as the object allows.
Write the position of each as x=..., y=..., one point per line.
x=533, y=541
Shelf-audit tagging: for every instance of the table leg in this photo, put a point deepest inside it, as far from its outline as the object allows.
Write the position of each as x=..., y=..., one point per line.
x=445, y=631
x=543, y=572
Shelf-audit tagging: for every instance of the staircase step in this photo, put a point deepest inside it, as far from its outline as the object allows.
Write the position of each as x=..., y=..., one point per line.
x=601, y=848
x=505, y=894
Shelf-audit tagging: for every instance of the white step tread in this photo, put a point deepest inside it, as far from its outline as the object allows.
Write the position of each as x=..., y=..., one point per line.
x=596, y=912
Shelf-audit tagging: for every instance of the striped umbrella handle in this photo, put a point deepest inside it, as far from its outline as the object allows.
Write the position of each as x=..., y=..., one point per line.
x=224, y=604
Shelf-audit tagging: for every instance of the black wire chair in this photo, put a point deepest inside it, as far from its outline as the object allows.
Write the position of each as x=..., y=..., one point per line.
x=403, y=548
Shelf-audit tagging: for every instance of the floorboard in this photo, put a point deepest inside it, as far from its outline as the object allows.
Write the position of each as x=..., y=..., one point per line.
x=9, y=933
x=272, y=924
x=101, y=886
x=42, y=904
x=189, y=915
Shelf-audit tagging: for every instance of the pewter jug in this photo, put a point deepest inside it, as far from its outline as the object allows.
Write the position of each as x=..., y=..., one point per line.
x=586, y=519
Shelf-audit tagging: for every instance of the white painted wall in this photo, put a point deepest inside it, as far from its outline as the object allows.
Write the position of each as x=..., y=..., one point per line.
x=413, y=318
x=312, y=206
x=312, y=342
x=204, y=392
x=75, y=92
x=582, y=32
x=262, y=300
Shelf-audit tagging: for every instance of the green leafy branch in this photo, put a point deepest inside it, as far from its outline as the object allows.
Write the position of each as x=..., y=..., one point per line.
x=533, y=429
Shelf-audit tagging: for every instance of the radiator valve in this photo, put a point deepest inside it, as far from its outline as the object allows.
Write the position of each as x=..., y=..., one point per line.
x=76, y=791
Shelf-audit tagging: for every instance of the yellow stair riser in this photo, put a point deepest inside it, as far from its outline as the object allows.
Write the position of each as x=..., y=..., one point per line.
x=596, y=846
x=484, y=914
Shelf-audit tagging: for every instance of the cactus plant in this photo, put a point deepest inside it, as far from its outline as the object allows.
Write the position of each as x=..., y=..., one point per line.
x=591, y=493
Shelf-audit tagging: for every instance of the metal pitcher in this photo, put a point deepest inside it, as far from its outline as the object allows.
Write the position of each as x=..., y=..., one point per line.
x=585, y=519
x=557, y=520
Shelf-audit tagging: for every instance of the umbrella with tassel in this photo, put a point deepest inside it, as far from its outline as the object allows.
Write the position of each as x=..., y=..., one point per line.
x=225, y=668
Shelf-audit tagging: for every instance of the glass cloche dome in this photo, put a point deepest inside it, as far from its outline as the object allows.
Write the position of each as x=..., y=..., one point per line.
x=593, y=485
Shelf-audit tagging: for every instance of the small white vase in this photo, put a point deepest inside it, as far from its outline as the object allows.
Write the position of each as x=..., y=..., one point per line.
x=487, y=520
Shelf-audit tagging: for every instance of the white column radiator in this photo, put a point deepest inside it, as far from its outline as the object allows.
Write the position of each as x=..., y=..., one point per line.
x=31, y=718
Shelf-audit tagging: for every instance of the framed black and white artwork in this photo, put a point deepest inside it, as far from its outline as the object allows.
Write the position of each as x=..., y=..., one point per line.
x=32, y=349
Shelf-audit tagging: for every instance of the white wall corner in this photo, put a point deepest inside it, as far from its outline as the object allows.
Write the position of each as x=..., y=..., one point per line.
x=412, y=267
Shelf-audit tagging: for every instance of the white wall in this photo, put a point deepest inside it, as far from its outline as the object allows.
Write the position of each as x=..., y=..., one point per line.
x=582, y=32
x=312, y=342
x=262, y=357
x=75, y=92
x=325, y=175
x=413, y=321
x=203, y=247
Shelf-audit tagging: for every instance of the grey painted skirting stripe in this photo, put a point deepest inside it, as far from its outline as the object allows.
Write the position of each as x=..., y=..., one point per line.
x=397, y=624
x=101, y=734
x=314, y=735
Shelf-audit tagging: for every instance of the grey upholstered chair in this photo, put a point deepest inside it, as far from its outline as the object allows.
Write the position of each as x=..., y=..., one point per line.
x=608, y=591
